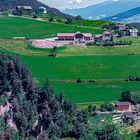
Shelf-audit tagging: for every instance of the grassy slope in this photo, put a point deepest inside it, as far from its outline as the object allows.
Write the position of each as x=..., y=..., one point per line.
x=21, y=48
x=21, y=27
x=91, y=23
x=109, y=68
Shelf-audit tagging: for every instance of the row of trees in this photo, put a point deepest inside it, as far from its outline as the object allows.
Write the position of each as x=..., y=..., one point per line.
x=109, y=43
x=133, y=78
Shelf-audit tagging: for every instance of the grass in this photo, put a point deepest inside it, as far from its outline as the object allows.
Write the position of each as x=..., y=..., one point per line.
x=22, y=27
x=20, y=47
x=107, y=66
x=91, y=23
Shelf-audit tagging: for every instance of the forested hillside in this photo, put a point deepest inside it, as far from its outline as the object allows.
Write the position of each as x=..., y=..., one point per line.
x=11, y=4
x=30, y=112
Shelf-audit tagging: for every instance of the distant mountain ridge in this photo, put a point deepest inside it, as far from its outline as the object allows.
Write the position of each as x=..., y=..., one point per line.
x=104, y=9
x=129, y=16
x=12, y=4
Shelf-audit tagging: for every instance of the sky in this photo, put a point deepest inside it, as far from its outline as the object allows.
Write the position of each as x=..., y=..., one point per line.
x=63, y=4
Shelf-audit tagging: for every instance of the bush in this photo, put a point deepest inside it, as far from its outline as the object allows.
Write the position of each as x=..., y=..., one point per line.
x=79, y=80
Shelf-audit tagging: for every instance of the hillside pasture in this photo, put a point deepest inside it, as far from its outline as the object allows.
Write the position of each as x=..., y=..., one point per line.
x=108, y=66
x=24, y=27
x=21, y=47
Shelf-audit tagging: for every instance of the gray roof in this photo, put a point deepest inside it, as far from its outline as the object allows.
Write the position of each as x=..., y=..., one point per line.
x=25, y=7
x=123, y=103
x=43, y=8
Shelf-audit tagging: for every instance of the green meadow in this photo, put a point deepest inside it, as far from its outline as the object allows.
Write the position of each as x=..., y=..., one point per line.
x=109, y=72
x=107, y=66
x=23, y=27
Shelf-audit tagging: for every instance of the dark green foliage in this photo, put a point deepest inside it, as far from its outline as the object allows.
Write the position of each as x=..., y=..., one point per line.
x=133, y=78
x=106, y=132
x=110, y=26
x=54, y=117
x=138, y=135
x=79, y=80
x=92, y=109
x=107, y=107
x=78, y=18
x=53, y=52
x=69, y=21
x=126, y=96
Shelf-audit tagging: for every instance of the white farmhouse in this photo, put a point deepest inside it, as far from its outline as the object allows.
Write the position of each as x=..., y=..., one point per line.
x=133, y=32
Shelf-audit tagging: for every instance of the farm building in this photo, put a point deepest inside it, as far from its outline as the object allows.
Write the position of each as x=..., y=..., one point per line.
x=75, y=37
x=42, y=10
x=120, y=27
x=107, y=36
x=133, y=32
x=20, y=10
x=123, y=106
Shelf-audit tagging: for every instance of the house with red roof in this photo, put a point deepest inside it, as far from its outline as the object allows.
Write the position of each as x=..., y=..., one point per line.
x=123, y=106
x=76, y=38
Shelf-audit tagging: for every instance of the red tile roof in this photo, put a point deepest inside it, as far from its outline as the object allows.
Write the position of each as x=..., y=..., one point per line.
x=106, y=32
x=73, y=34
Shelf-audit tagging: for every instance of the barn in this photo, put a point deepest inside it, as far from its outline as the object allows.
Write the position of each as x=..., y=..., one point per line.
x=75, y=37
x=123, y=106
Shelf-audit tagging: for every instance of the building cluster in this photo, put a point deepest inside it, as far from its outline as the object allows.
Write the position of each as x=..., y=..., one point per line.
x=126, y=113
x=127, y=107
x=23, y=10
x=123, y=30
x=84, y=38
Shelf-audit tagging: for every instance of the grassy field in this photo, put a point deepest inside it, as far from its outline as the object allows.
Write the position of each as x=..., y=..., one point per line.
x=108, y=66
x=22, y=27
x=91, y=23
x=21, y=47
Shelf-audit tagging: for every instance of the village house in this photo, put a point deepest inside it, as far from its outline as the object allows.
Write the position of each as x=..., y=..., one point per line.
x=76, y=38
x=20, y=10
x=120, y=27
x=107, y=36
x=42, y=10
x=133, y=32
x=123, y=106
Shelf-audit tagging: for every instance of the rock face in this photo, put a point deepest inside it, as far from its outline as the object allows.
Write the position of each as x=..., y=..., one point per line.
x=4, y=109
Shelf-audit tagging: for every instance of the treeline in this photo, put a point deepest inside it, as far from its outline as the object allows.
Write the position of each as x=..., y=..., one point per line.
x=37, y=113
x=110, y=43
x=133, y=78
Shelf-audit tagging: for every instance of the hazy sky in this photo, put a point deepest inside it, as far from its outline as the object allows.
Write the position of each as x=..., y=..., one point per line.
x=62, y=4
